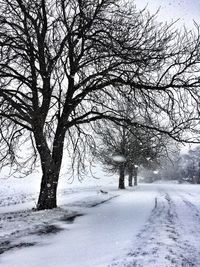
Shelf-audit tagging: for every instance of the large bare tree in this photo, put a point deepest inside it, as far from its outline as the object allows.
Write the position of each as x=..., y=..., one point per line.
x=62, y=62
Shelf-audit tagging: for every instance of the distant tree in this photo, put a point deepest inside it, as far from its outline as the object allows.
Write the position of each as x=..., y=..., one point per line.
x=144, y=151
x=62, y=62
x=188, y=166
x=111, y=148
x=123, y=150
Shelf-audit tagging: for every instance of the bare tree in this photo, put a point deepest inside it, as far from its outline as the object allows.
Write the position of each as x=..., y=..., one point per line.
x=123, y=149
x=145, y=149
x=186, y=167
x=61, y=62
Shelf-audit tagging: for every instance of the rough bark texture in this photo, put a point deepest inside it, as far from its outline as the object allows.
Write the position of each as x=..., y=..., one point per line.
x=51, y=164
x=47, y=197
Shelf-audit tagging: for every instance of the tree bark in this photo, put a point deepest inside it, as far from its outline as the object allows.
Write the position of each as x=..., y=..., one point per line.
x=130, y=177
x=51, y=164
x=135, y=180
x=48, y=191
x=121, y=177
x=135, y=176
x=132, y=173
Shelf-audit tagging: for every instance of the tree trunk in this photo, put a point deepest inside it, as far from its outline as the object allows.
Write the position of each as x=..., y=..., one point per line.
x=121, y=177
x=135, y=177
x=51, y=164
x=198, y=179
x=198, y=174
x=135, y=180
x=48, y=191
x=130, y=177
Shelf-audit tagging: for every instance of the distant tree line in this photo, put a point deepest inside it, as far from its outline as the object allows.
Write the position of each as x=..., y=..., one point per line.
x=186, y=167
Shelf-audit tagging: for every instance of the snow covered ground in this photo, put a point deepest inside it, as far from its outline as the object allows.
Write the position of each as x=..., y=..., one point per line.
x=99, y=226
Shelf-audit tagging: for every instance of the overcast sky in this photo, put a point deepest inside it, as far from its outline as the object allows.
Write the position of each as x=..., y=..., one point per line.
x=185, y=10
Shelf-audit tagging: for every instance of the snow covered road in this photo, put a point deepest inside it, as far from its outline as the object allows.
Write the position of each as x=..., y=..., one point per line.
x=154, y=225
x=171, y=236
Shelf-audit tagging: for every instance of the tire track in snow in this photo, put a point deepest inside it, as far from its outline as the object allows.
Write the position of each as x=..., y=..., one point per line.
x=189, y=218
x=193, y=203
x=161, y=242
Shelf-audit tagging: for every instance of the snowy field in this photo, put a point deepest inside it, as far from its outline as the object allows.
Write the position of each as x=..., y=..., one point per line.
x=153, y=225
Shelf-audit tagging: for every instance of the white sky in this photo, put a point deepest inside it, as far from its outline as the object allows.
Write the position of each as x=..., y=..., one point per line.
x=184, y=10
x=170, y=10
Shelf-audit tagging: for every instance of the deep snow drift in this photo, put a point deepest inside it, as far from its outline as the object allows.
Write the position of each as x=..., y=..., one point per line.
x=151, y=225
